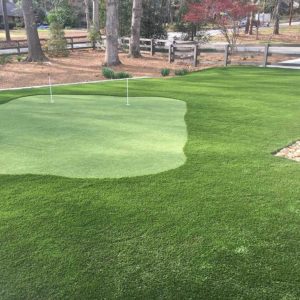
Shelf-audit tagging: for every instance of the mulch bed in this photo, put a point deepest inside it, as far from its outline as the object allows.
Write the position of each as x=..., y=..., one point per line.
x=83, y=66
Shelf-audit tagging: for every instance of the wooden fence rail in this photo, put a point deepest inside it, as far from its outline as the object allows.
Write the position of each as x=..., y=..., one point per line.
x=191, y=52
x=20, y=46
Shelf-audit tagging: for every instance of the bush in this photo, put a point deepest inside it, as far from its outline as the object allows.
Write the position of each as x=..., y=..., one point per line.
x=108, y=73
x=122, y=75
x=57, y=44
x=5, y=59
x=94, y=36
x=64, y=14
x=165, y=72
x=19, y=25
x=181, y=72
x=19, y=58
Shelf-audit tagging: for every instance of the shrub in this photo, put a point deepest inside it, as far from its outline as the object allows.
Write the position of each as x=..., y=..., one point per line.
x=19, y=25
x=57, y=44
x=5, y=59
x=122, y=75
x=181, y=72
x=108, y=73
x=165, y=72
x=63, y=14
x=19, y=58
x=94, y=36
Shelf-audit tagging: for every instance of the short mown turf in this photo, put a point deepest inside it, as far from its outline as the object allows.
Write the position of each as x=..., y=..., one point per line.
x=225, y=225
x=91, y=136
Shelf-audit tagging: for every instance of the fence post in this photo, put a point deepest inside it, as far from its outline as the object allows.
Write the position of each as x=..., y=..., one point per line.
x=195, y=55
x=18, y=47
x=266, y=54
x=72, y=43
x=152, y=47
x=226, y=55
x=171, y=48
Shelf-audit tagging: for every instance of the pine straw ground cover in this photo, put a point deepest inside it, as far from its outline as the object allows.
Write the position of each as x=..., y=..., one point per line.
x=225, y=225
x=82, y=66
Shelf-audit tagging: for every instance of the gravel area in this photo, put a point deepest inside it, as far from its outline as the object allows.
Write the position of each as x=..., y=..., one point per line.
x=290, y=152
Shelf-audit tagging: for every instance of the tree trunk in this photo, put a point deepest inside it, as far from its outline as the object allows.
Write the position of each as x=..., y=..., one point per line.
x=5, y=20
x=35, y=52
x=251, y=23
x=252, y=19
x=96, y=21
x=137, y=11
x=112, y=24
x=87, y=14
x=291, y=12
x=257, y=24
x=171, y=12
x=276, y=17
x=247, y=27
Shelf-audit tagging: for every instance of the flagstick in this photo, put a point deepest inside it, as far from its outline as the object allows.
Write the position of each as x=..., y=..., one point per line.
x=127, y=101
x=50, y=88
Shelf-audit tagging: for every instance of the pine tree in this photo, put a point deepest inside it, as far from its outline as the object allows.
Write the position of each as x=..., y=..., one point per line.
x=35, y=52
x=57, y=44
x=112, y=34
x=137, y=11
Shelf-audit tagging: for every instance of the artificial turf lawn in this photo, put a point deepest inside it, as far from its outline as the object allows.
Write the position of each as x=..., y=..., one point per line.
x=225, y=225
x=91, y=136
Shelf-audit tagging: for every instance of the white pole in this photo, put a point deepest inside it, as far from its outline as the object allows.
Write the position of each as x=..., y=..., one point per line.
x=50, y=89
x=127, y=100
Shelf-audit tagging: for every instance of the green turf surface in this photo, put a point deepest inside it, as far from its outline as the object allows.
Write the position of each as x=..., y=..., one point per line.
x=91, y=136
x=225, y=225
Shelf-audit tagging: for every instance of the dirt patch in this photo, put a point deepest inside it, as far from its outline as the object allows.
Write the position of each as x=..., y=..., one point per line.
x=290, y=152
x=81, y=66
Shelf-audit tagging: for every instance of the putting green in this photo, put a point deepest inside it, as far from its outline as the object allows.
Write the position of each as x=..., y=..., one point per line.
x=91, y=136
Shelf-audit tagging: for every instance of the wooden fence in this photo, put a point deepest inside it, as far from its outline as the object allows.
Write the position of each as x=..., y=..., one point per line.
x=287, y=50
x=186, y=52
x=18, y=47
x=213, y=54
x=146, y=45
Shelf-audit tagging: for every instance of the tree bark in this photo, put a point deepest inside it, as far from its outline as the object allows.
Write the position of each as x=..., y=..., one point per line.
x=5, y=20
x=35, y=52
x=251, y=23
x=171, y=12
x=257, y=26
x=137, y=11
x=276, y=17
x=247, y=27
x=96, y=21
x=252, y=19
x=291, y=12
x=87, y=14
x=112, y=34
